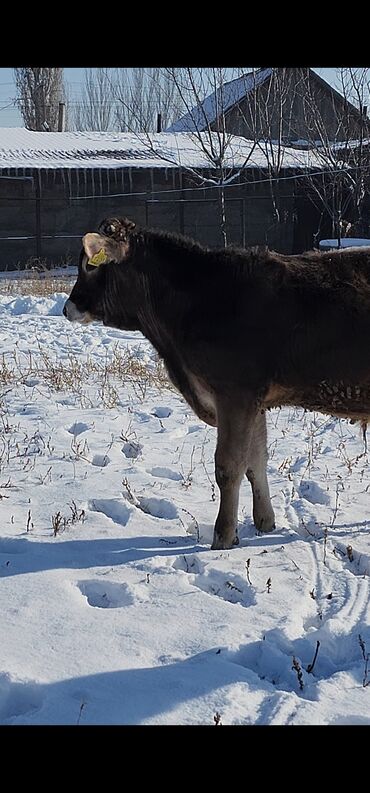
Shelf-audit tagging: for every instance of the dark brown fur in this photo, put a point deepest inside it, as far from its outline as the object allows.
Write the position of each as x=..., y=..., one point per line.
x=240, y=331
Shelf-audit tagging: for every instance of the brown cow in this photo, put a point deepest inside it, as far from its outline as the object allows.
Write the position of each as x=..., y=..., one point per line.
x=240, y=331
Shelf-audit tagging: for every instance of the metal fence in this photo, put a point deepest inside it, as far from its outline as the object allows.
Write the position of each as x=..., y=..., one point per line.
x=48, y=224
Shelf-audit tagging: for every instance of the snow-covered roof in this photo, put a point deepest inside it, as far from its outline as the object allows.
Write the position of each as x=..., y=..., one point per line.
x=22, y=148
x=350, y=144
x=221, y=99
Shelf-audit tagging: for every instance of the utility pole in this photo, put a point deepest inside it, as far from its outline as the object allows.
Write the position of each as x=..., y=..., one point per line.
x=61, y=117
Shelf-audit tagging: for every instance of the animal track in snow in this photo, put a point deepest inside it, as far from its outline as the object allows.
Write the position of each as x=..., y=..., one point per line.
x=131, y=450
x=356, y=562
x=181, y=432
x=165, y=473
x=189, y=563
x=141, y=417
x=158, y=507
x=106, y=594
x=116, y=510
x=229, y=587
x=161, y=412
x=78, y=427
x=271, y=659
x=312, y=492
x=101, y=460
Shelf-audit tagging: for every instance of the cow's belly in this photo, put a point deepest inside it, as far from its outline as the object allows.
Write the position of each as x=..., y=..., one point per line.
x=344, y=400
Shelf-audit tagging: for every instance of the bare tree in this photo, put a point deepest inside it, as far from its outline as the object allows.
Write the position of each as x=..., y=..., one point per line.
x=202, y=95
x=39, y=91
x=341, y=149
x=128, y=100
x=96, y=108
x=275, y=119
x=143, y=94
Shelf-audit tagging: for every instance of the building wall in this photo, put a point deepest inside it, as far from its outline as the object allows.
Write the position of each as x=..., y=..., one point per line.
x=284, y=96
x=68, y=203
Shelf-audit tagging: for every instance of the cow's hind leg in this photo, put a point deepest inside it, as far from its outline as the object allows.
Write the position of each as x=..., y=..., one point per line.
x=263, y=514
x=235, y=432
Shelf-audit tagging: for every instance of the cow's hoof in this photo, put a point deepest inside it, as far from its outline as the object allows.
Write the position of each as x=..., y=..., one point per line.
x=220, y=544
x=266, y=524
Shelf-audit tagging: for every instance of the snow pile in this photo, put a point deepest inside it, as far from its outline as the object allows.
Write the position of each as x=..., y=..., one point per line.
x=51, y=306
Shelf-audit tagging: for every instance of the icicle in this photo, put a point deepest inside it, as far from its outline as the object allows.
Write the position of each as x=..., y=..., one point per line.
x=101, y=181
x=108, y=182
x=85, y=180
x=152, y=180
x=130, y=179
x=77, y=175
x=92, y=181
x=69, y=175
x=63, y=180
x=122, y=181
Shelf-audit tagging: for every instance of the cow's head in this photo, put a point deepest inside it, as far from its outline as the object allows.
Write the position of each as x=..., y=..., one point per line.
x=105, y=286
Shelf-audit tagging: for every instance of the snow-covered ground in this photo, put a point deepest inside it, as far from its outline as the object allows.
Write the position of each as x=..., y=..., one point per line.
x=114, y=610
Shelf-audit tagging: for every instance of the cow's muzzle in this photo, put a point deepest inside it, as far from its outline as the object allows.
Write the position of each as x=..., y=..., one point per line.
x=72, y=313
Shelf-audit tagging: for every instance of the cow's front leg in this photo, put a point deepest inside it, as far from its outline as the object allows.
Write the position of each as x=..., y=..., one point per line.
x=235, y=432
x=263, y=514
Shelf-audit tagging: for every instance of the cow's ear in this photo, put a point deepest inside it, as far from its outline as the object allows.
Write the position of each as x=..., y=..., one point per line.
x=95, y=249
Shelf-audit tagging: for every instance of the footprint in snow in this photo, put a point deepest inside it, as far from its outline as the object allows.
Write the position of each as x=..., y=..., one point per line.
x=78, y=427
x=189, y=563
x=181, y=432
x=161, y=412
x=312, y=492
x=111, y=508
x=101, y=460
x=107, y=594
x=142, y=418
x=165, y=473
x=131, y=450
x=230, y=587
x=158, y=507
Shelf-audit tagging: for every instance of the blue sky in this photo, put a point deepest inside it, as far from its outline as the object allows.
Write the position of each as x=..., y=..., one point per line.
x=10, y=116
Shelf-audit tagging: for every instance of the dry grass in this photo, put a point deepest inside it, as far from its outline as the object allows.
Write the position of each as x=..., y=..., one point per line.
x=38, y=279
x=38, y=285
x=74, y=374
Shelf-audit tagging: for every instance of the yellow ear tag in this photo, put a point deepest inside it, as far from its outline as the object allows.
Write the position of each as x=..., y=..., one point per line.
x=98, y=258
